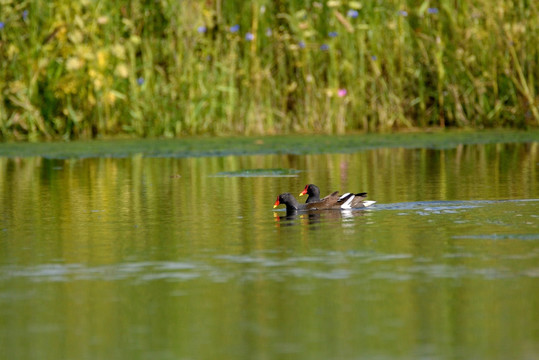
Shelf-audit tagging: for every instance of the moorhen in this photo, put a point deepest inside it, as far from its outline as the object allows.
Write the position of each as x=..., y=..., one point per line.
x=330, y=202
x=314, y=196
x=313, y=193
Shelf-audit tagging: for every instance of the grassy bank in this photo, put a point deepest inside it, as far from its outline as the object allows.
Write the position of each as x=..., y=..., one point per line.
x=168, y=68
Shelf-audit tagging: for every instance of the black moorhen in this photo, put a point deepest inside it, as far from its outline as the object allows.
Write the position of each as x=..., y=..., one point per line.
x=330, y=202
x=313, y=193
x=314, y=196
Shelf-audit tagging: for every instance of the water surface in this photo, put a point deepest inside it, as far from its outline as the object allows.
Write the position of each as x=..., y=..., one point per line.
x=184, y=258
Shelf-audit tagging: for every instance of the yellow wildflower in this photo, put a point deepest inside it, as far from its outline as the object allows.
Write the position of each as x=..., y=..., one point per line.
x=110, y=98
x=74, y=63
x=118, y=50
x=122, y=70
x=102, y=59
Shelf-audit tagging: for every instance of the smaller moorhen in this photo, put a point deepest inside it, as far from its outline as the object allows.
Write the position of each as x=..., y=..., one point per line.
x=313, y=193
x=314, y=196
x=330, y=202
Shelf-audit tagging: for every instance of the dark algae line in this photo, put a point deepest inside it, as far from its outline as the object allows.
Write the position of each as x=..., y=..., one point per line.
x=290, y=144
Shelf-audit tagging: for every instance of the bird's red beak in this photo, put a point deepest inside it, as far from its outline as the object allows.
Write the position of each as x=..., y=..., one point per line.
x=277, y=203
x=304, y=191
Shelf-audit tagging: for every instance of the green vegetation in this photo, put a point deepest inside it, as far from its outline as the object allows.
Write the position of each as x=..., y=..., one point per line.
x=167, y=68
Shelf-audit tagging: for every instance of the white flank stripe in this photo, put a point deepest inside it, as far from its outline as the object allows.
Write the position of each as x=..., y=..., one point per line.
x=343, y=196
x=348, y=203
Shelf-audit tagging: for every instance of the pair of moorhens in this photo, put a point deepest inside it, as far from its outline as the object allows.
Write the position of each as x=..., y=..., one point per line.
x=333, y=201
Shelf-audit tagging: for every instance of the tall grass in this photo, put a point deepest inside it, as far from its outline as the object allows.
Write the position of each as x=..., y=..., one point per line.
x=168, y=67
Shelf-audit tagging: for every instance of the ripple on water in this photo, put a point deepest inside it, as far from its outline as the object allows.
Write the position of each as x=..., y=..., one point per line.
x=143, y=271
x=525, y=237
x=449, y=205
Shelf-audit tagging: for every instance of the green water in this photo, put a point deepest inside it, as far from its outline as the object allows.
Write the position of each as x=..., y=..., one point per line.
x=184, y=258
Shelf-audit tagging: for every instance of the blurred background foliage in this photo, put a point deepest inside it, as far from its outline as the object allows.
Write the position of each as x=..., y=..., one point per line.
x=168, y=68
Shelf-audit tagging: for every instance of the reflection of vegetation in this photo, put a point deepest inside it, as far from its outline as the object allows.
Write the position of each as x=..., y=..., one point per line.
x=35, y=189
x=259, y=173
x=87, y=68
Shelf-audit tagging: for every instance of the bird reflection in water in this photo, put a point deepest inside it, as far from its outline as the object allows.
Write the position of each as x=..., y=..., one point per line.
x=290, y=218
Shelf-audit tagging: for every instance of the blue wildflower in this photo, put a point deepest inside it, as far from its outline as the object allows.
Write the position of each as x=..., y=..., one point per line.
x=432, y=10
x=249, y=36
x=2, y=25
x=140, y=80
x=332, y=34
x=234, y=28
x=403, y=13
x=374, y=57
x=202, y=29
x=301, y=44
x=25, y=14
x=324, y=47
x=352, y=13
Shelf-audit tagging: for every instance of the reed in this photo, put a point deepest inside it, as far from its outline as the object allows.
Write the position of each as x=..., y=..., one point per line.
x=170, y=68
